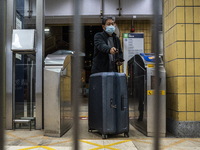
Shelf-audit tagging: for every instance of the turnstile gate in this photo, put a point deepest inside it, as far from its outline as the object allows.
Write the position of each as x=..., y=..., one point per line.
x=141, y=86
x=57, y=93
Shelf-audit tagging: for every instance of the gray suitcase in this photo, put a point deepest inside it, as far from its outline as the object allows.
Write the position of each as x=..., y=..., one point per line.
x=108, y=103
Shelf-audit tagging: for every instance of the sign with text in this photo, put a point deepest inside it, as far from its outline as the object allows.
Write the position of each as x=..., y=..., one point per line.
x=133, y=43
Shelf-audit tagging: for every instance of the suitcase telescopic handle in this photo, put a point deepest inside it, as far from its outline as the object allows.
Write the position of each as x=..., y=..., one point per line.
x=122, y=102
x=111, y=104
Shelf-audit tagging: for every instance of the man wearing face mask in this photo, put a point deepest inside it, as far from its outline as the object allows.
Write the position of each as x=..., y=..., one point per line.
x=107, y=48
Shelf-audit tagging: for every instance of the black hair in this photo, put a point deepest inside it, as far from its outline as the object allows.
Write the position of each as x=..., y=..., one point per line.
x=106, y=18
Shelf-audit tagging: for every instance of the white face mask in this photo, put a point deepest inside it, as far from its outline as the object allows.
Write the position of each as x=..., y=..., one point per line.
x=110, y=29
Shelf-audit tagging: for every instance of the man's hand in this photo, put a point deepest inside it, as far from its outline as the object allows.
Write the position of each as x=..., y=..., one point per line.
x=113, y=50
x=119, y=63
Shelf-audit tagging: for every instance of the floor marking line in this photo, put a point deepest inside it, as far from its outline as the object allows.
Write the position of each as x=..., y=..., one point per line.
x=19, y=138
x=58, y=143
x=194, y=140
x=91, y=143
x=173, y=144
x=141, y=141
x=119, y=142
x=45, y=147
x=35, y=136
x=105, y=146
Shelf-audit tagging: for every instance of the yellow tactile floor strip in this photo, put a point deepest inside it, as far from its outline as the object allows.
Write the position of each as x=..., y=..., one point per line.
x=105, y=146
x=34, y=147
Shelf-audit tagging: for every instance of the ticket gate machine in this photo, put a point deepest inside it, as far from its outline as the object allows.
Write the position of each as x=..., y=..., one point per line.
x=141, y=89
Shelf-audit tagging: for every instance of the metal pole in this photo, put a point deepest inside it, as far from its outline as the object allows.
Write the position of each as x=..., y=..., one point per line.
x=76, y=72
x=39, y=62
x=10, y=78
x=155, y=45
x=2, y=70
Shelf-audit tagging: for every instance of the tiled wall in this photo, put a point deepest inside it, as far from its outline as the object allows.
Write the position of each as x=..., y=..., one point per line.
x=182, y=58
x=140, y=26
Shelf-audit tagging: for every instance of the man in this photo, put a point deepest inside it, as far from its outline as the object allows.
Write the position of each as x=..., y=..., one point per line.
x=107, y=48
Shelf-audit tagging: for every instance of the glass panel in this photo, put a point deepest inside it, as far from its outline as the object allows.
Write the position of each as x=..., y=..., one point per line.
x=24, y=67
x=24, y=85
x=25, y=14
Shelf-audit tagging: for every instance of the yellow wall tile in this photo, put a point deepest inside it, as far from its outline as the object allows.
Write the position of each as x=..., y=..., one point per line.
x=175, y=85
x=168, y=102
x=174, y=115
x=166, y=56
x=190, y=116
x=181, y=67
x=168, y=113
x=189, y=67
x=197, y=102
x=180, y=2
x=189, y=14
x=196, y=14
x=174, y=102
x=181, y=116
x=174, y=33
x=180, y=29
x=174, y=51
x=172, y=85
x=197, y=85
x=169, y=85
x=190, y=84
x=197, y=69
x=181, y=102
x=196, y=2
x=181, y=85
x=174, y=17
x=196, y=31
x=188, y=2
x=170, y=8
x=196, y=49
x=189, y=32
x=189, y=50
x=180, y=46
x=190, y=102
x=180, y=15
x=170, y=70
x=197, y=116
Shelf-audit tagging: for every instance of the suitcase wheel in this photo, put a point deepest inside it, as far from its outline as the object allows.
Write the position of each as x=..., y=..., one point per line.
x=126, y=134
x=104, y=136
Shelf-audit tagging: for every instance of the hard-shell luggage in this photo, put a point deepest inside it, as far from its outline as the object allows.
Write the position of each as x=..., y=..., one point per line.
x=108, y=103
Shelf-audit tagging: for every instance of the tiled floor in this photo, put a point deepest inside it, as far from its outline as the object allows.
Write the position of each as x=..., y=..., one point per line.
x=34, y=140
x=23, y=139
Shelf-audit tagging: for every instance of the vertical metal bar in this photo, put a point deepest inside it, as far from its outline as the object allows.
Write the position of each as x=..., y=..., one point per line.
x=120, y=8
x=76, y=72
x=102, y=9
x=31, y=89
x=155, y=45
x=9, y=63
x=2, y=70
x=39, y=62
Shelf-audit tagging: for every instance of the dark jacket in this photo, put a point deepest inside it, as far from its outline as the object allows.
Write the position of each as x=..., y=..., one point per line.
x=102, y=51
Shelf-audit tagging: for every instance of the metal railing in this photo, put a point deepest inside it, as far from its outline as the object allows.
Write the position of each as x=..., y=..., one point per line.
x=77, y=71
x=2, y=70
x=155, y=45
